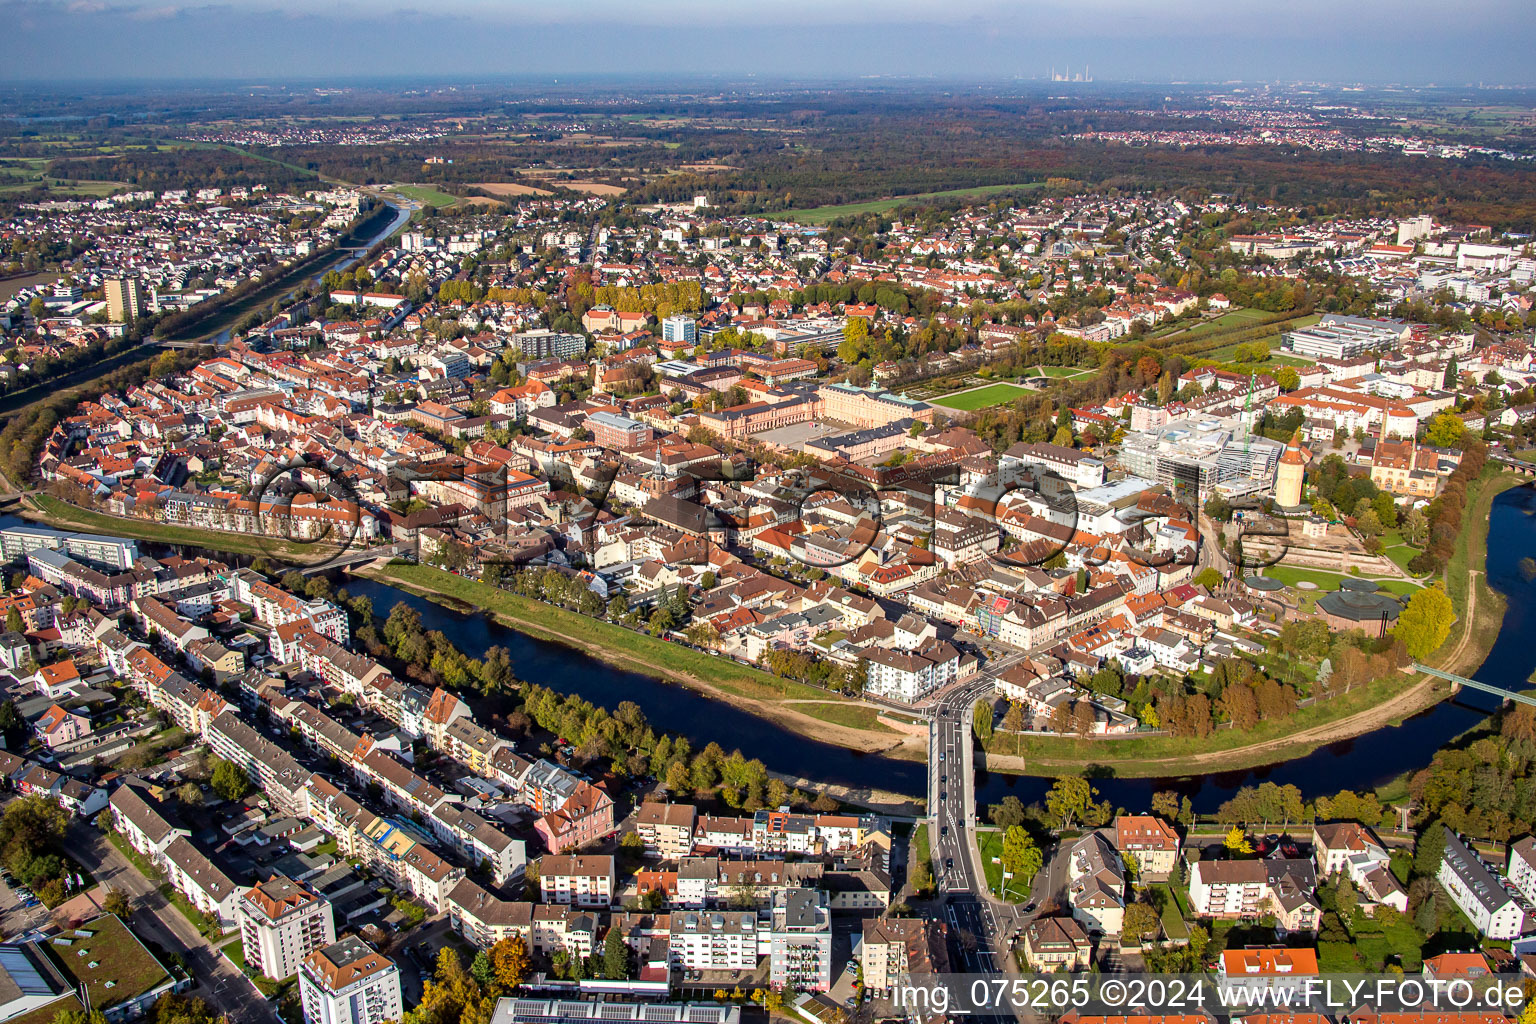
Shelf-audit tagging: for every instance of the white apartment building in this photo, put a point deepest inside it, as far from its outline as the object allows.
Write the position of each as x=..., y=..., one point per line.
x=1477, y=889
x=349, y=982
x=582, y=881
x=281, y=923
x=714, y=941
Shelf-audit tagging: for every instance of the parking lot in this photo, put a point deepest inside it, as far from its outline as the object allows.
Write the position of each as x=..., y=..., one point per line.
x=20, y=909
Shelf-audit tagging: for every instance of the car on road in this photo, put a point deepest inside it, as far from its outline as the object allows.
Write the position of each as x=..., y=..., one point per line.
x=943, y=778
x=944, y=830
x=943, y=795
x=1029, y=908
x=941, y=757
x=949, y=862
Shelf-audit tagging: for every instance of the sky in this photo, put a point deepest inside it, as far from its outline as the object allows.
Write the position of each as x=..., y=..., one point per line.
x=1370, y=41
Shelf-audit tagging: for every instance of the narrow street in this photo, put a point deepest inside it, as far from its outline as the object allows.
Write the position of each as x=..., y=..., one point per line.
x=219, y=982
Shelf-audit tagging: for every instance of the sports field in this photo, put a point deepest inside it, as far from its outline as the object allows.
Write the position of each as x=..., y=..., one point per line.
x=980, y=398
x=425, y=194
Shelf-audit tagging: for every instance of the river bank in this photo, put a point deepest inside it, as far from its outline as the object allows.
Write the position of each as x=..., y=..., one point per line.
x=205, y=322
x=810, y=711
x=1381, y=704
x=50, y=511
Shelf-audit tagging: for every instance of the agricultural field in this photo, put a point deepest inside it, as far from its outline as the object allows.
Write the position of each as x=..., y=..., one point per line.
x=509, y=188
x=981, y=398
x=823, y=214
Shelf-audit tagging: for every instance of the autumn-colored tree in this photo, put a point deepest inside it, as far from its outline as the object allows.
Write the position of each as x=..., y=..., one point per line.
x=1426, y=622
x=1237, y=842
x=509, y=961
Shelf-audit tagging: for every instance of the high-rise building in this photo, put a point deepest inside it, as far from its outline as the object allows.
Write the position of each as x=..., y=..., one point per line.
x=281, y=923
x=349, y=982
x=801, y=941
x=680, y=329
x=125, y=299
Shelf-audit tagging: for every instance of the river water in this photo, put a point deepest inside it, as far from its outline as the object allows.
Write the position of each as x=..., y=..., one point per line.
x=1360, y=763
x=341, y=261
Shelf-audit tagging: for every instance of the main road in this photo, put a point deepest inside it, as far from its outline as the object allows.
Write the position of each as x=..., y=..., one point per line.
x=228, y=991
x=984, y=926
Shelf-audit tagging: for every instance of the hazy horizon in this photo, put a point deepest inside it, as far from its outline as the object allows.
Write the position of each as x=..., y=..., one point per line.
x=1411, y=42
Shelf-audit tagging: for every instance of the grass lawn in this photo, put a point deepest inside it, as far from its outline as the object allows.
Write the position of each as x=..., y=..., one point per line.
x=1470, y=554
x=982, y=397
x=822, y=214
x=991, y=845
x=63, y=514
x=629, y=649
x=1175, y=926
x=1397, y=549
x=1227, y=354
x=1189, y=331
x=425, y=194
x=1327, y=582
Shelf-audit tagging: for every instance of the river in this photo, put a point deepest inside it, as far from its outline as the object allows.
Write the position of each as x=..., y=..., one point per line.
x=341, y=261
x=1361, y=763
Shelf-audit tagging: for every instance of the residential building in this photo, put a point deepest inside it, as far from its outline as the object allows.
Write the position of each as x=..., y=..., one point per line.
x=1056, y=944
x=1489, y=903
x=1152, y=841
x=800, y=940
x=349, y=982
x=282, y=923
x=1250, y=889
x=581, y=880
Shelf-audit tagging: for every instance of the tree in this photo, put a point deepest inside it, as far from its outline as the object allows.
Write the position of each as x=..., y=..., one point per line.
x=1287, y=378
x=1062, y=437
x=1140, y=921
x=230, y=781
x=79, y=1015
x=1210, y=578
x=509, y=961
x=1165, y=804
x=1006, y=813
x=1069, y=798
x=1021, y=857
x=1426, y=622
x=921, y=877
x=615, y=956
x=678, y=779
x=981, y=723
x=13, y=623
x=1446, y=430
x=177, y=1008
x=1237, y=842
x=116, y=901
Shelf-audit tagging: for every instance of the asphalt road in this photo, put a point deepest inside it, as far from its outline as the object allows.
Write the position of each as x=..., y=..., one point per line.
x=983, y=926
x=219, y=982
